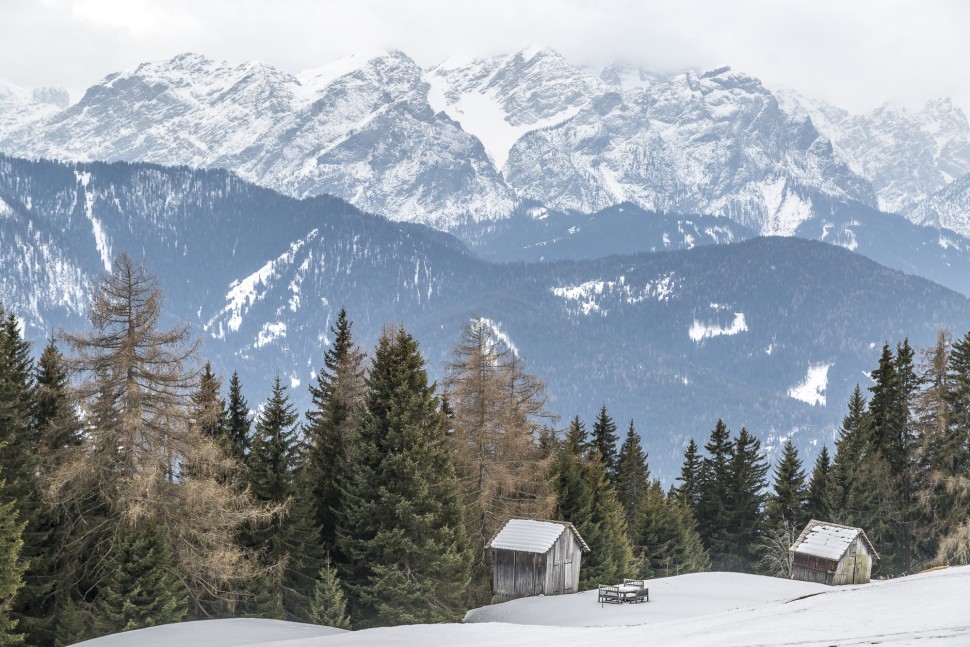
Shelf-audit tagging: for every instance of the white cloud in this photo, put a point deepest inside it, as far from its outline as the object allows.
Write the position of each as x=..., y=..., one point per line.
x=855, y=54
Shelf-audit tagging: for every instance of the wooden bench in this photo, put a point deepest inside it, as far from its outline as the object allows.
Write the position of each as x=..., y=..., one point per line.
x=629, y=591
x=642, y=593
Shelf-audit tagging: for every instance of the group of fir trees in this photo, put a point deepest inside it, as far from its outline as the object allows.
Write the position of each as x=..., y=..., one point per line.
x=900, y=471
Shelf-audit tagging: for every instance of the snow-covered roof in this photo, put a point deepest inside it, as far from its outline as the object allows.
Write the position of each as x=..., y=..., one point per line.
x=828, y=540
x=532, y=535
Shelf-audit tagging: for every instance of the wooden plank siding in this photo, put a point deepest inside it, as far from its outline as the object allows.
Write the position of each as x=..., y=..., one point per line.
x=517, y=574
x=855, y=566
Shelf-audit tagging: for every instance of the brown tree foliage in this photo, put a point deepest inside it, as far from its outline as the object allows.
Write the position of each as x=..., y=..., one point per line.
x=498, y=413
x=144, y=459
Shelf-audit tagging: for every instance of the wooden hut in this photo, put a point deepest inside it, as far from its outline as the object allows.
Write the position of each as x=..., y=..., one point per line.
x=830, y=553
x=535, y=557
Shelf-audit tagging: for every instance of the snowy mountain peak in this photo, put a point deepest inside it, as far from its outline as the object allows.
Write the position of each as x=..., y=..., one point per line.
x=624, y=77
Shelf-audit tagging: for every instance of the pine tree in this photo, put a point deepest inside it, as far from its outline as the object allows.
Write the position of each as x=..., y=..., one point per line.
x=788, y=499
x=238, y=423
x=604, y=441
x=818, y=497
x=11, y=566
x=691, y=477
x=330, y=429
x=329, y=606
x=208, y=407
x=141, y=588
x=714, y=494
x=632, y=478
x=746, y=497
x=402, y=526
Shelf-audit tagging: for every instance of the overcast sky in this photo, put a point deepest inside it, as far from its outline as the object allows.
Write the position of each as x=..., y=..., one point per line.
x=853, y=53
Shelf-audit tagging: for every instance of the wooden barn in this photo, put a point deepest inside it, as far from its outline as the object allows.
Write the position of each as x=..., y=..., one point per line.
x=535, y=557
x=830, y=553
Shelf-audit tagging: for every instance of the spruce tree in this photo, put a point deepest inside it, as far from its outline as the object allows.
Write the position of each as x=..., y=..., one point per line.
x=714, y=494
x=746, y=496
x=11, y=566
x=18, y=461
x=667, y=540
x=330, y=428
x=141, y=588
x=632, y=478
x=402, y=526
x=586, y=499
x=329, y=606
x=605, y=441
x=49, y=580
x=238, y=422
x=691, y=477
x=948, y=485
x=787, y=502
x=849, y=450
x=818, y=498
x=288, y=543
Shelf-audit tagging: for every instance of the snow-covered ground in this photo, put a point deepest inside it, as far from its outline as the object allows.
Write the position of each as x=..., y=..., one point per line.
x=709, y=609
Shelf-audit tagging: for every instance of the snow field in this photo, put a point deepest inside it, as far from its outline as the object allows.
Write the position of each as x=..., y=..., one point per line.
x=698, y=610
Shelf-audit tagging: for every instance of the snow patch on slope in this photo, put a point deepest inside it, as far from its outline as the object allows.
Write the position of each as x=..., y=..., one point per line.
x=243, y=294
x=811, y=390
x=591, y=296
x=100, y=237
x=700, y=331
x=499, y=334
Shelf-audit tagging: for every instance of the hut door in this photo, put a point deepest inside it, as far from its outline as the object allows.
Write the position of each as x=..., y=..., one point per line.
x=567, y=576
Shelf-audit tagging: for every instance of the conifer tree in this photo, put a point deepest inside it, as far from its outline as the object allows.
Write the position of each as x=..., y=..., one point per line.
x=141, y=588
x=18, y=461
x=691, y=477
x=632, y=478
x=142, y=460
x=288, y=543
x=586, y=499
x=402, y=526
x=667, y=539
x=11, y=566
x=818, y=498
x=330, y=429
x=947, y=492
x=605, y=441
x=496, y=411
x=329, y=606
x=238, y=422
x=849, y=450
x=746, y=497
x=714, y=494
x=48, y=580
x=788, y=499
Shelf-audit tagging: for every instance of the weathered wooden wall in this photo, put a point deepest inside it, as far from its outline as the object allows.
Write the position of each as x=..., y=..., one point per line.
x=855, y=567
x=562, y=574
x=517, y=574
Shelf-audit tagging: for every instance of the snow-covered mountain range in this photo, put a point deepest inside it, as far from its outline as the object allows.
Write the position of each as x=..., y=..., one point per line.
x=467, y=141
